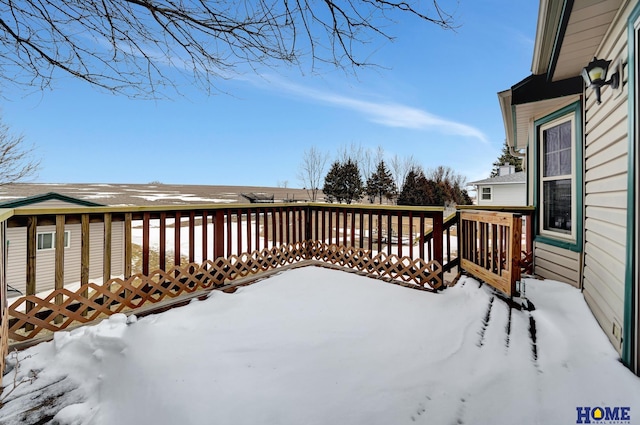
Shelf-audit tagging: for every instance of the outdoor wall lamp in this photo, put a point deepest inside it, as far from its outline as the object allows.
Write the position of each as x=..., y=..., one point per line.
x=595, y=75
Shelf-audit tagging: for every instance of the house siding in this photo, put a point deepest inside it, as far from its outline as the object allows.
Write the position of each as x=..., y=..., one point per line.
x=45, y=259
x=552, y=262
x=504, y=194
x=605, y=184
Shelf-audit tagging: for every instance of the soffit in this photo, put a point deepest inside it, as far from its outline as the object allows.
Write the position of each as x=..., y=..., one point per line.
x=588, y=23
x=527, y=113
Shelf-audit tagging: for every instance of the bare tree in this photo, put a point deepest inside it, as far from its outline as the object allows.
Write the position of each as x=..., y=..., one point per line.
x=129, y=46
x=17, y=162
x=400, y=167
x=370, y=161
x=311, y=171
x=354, y=152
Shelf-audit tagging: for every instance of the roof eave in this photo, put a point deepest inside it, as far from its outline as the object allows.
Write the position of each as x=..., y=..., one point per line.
x=504, y=97
x=549, y=15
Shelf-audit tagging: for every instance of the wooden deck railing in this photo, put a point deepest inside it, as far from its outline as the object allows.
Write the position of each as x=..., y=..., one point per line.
x=491, y=246
x=528, y=217
x=450, y=242
x=131, y=257
x=165, y=253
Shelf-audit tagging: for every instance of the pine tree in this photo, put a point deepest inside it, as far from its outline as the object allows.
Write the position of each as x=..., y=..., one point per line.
x=332, y=183
x=381, y=184
x=413, y=192
x=506, y=158
x=442, y=186
x=343, y=182
x=353, y=188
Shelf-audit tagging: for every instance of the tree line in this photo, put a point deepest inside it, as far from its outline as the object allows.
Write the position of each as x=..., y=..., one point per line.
x=358, y=174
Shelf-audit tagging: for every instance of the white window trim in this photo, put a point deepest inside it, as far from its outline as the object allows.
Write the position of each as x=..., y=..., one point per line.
x=53, y=240
x=552, y=233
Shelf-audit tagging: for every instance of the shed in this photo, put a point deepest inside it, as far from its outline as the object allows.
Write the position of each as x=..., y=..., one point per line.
x=45, y=256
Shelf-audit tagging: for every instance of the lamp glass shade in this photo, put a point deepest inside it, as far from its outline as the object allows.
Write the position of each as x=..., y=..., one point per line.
x=596, y=72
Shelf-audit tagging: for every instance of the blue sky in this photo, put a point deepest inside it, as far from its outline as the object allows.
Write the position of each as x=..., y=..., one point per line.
x=434, y=96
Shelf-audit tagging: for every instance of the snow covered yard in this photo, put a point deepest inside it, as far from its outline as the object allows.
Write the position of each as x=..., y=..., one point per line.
x=319, y=346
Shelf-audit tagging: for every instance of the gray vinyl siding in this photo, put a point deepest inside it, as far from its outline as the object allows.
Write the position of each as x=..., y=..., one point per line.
x=552, y=262
x=45, y=259
x=605, y=184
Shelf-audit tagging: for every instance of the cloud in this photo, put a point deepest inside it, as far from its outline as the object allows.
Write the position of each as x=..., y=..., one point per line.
x=389, y=114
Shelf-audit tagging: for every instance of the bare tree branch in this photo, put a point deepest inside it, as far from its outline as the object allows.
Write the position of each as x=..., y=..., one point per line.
x=134, y=47
x=16, y=160
x=311, y=171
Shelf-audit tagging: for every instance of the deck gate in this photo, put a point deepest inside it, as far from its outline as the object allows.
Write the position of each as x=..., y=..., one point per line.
x=491, y=247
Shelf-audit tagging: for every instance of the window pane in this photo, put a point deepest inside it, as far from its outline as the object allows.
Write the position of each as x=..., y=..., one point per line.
x=45, y=241
x=556, y=145
x=564, y=162
x=557, y=205
x=551, y=165
x=486, y=193
x=565, y=135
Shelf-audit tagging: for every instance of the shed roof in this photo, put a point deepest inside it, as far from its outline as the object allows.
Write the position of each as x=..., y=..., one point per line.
x=514, y=178
x=35, y=199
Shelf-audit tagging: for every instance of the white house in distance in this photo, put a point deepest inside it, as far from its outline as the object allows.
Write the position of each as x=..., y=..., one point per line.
x=506, y=189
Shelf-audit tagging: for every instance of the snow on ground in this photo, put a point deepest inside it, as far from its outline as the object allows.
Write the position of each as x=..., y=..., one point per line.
x=319, y=346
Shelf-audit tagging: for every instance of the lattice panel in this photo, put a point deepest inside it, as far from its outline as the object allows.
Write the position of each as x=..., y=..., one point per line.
x=93, y=301
x=31, y=315
x=382, y=264
x=526, y=262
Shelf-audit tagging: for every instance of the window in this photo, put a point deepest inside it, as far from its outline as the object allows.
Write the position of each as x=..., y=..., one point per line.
x=556, y=177
x=48, y=240
x=486, y=193
x=557, y=188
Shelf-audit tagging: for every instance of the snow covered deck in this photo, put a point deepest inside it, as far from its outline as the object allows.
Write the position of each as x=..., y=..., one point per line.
x=318, y=346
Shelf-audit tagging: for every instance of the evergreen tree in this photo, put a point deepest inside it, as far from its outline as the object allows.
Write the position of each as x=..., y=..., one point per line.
x=442, y=186
x=407, y=195
x=506, y=158
x=332, y=182
x=413, y=190
x=381, y=184
x=352, y=186
x=343, y=182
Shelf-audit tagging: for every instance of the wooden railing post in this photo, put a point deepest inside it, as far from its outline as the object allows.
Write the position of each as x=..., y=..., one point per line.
x=4, y=313
x=84, y=256
x=59, y=261
x=145, y=243
x=516, y=251
x=106, y=253
x=192, y=236
x=177, y=230
x=218, y=234
x=128, y=248
x=437, y=241
x=32, y=226
x=162, y=249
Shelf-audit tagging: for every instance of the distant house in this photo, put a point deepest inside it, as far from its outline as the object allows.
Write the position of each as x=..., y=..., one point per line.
x=506, y=189
x=582, y=158
x=45, y=256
